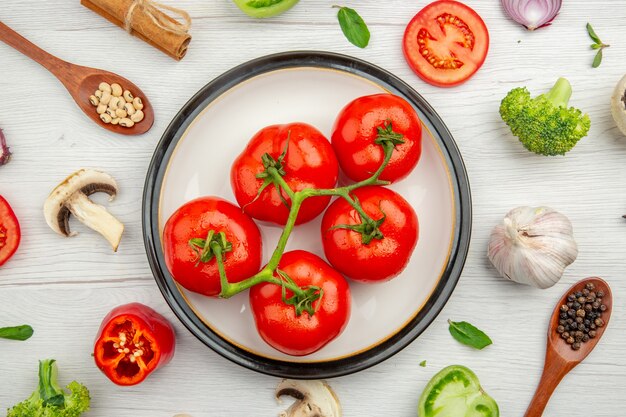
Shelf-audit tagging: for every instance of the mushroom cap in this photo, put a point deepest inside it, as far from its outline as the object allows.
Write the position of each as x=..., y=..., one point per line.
x=313, y=399
x=85, y=181
x=618, y=105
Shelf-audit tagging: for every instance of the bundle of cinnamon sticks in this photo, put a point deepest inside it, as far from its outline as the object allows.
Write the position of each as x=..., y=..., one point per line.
x=149, y=21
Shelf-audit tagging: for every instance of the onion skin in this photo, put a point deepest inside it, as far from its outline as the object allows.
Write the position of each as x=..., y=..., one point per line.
x=5, y=154
x=532, y=14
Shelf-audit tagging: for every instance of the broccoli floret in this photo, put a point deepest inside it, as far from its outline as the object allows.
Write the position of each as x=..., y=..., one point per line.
x=50, y=400
x=544, y=124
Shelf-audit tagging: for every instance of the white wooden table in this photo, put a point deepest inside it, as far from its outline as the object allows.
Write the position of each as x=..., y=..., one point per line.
x=64, y=287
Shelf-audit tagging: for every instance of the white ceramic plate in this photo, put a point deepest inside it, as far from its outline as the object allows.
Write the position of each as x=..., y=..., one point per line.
x=194, y=158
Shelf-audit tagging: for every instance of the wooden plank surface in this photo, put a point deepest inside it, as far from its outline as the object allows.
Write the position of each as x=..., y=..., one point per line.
x=64, y=287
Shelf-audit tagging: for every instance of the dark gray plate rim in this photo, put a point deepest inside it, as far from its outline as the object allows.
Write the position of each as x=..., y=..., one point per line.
x=345, y=365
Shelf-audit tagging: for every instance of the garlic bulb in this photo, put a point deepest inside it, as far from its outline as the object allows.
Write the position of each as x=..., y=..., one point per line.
x=533, y=246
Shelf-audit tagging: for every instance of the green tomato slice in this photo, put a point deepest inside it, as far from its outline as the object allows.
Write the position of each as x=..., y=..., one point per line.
x=264, y=8
x=456, y=392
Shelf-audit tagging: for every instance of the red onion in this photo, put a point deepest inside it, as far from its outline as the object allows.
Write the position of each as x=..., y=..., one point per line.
x=5, y=155
x=533, y=14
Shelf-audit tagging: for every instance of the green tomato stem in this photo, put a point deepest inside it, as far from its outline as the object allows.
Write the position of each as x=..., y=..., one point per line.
x=265, y=275
x=297, y=198
x=344, y=192
x=296, y=203
x=217, y=251
x=278, y=179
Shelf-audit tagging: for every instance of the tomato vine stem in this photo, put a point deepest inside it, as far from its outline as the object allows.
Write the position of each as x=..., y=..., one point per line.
x=302, y=298
x=280, y=181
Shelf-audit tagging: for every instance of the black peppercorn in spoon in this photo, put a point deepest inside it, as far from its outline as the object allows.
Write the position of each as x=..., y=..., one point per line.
x=560, y=356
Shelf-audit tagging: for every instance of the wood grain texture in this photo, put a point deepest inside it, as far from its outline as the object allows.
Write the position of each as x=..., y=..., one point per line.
x=63, y=287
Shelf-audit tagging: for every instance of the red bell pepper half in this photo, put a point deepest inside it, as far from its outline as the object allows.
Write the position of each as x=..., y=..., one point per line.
x=9, y=231
x=133, y=341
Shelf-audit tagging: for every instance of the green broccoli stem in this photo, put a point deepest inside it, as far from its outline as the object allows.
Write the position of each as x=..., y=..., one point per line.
x=560, y=94
x=49, y=390
x=49, y=399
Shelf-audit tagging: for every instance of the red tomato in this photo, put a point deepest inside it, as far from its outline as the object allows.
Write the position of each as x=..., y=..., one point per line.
x=9, y=231
x=380, y=260
x=310, y=163
x=357, y=128
x=193, y=221
x=277, y=322
x=446, y=43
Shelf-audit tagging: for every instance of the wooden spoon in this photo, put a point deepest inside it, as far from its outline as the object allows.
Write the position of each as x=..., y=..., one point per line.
x=560, y=357
x=81, y=82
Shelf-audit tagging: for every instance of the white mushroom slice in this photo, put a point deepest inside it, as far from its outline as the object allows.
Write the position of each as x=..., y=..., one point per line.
x=313, y=399
x=618, y=105
x=72, y=196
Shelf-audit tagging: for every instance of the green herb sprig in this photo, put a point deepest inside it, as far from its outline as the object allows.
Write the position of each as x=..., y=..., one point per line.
x=22, y=333
x=469, y=335
x=598, y=44
x=353, y=26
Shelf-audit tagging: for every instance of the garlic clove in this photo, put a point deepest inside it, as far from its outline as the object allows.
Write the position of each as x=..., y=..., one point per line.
x=533, y=246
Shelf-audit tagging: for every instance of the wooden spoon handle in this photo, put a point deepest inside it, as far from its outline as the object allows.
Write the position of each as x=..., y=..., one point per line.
x=553, y=372
x=53, y=64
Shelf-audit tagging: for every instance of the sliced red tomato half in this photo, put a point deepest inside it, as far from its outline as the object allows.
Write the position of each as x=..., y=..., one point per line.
x=446, y=43
x=9, y=231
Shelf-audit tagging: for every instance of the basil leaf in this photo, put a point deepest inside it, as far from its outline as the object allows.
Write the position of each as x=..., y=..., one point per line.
x=469, y=335
x=423, y=364
x=16, y=333
x=592, y=34
x=597, y=60
x=353, y=27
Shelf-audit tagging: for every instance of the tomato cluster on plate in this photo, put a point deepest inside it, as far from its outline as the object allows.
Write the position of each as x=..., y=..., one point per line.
x=287, y=175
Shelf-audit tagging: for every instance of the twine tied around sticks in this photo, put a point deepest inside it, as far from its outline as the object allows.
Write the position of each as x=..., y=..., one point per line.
x=151, y=9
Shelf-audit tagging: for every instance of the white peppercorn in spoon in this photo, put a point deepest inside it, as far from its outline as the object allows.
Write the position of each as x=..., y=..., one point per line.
x=81, y=82
x=560, y=357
